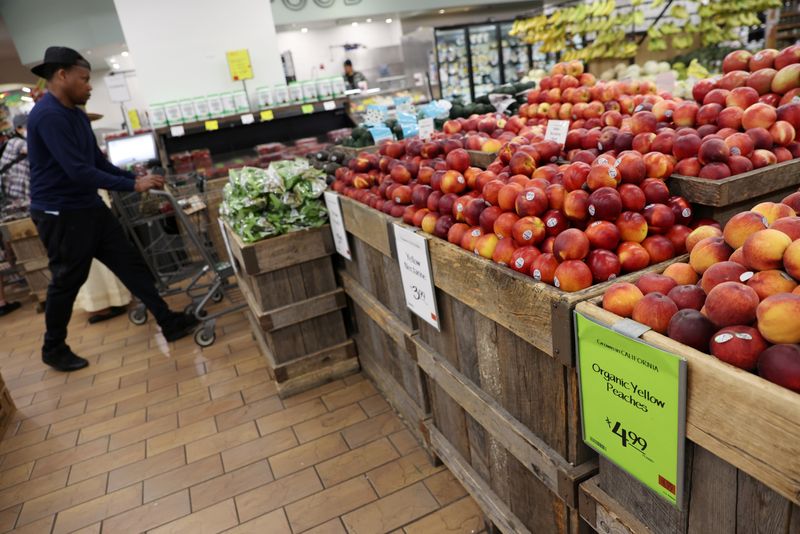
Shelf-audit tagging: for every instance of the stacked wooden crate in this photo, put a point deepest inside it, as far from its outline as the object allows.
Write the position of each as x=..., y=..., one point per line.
x=23, y=238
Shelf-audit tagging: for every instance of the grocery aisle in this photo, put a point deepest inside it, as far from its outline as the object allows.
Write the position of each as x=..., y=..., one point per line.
x=170, y=438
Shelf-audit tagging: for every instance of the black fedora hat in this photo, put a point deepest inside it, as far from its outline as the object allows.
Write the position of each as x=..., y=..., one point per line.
x=62, y=56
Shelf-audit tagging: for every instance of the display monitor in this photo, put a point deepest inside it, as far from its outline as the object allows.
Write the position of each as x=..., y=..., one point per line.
x=126, y=151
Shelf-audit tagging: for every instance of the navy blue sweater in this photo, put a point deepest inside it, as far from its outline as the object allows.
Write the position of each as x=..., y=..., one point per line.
x=67, y=166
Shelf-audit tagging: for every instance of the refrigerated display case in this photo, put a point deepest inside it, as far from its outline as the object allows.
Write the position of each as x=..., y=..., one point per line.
x=516, y=55
x=453, y=58
x=485, y=58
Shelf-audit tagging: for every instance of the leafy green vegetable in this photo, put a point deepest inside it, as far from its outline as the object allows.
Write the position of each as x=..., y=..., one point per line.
x=261, y=203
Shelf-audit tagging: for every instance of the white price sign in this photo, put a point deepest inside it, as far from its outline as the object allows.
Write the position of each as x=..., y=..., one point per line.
x=330, y=105
x=425, y=128
x=415, y=272
x=176, y=131
x=557, y=131
x=248, y=118
x=337, y=224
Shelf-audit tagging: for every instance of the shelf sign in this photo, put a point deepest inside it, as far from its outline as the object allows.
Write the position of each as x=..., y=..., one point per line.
x=177, y=131
x=337, y=224
x=133, y=119
x=557, y=131
x=307, y=108
x=425, y=128
x=330, y=105
x=267, y=115
x=633, y=405
x=416, y=274
x=212, y=125
x=248, y=118
x=239, y=64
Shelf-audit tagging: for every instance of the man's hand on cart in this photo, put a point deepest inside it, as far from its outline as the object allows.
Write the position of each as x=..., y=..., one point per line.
x=148, y=182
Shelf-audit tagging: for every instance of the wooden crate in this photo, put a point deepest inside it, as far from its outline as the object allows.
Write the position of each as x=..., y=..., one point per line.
x=476, y=157
x=24, y=240
x=742, y=453
x=7, y=409
x=296, y=309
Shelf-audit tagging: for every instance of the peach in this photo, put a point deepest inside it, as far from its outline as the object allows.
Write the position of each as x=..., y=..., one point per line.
x=632, y=197
x=763, y=158
x=738, y=257
x=663, y=142
x=740, y=144
x=522, y=259
x=632, y=256
x=686, y=146
x=742, y=98
x=576, y=205
x=715, y=171
x=631, y=166
x=603, y=173
x=453, y=181
x=761, y=80
x=621, y=298
x=605, y=204
x=528, y=231
x=643, y=122
x=787, y=56
x=717, y=96
x=763, y=59
x=460, y=207
x=604, y=264
x=556, y=194
x=736, y=60
x=446, y=203
x=688, y=296
x=761, y=138
x=547, y=245
x=702, y=88
x=681, y=209
x=488, y=218
x=572, y=275
x=786, y=79
x=724, y=271
x=793, y=201
x=791, y=259
x=689, y=167
x=486, y=245
x=658, y=165
x=571, y=244
x=655, y=191
x=782, y=133
x=531, y=201
x=659, y=218
x=768, y=283
x=713, y=150
x=789, y=226
x=419, y=215
x=659, y=248
x=741, y=226
x=521, y=163
x=780, y=364
x=759, y=115
x=708, y=113
x=456, y=233
x=575, y=175
x=685, y=113
x=642, y=142
x=677, y=236
x=470, y=238
x=504, y=251
x=772, y=211
x=731, y=303
x=682, y=273
x=429, y=222
x=543, y=268
x=782, y=154
x=491, y=191
x=632, y=226
x=443, y=225
x=692, y=328
x=707, y=252
x=504, y=224
x=507, y=196
x=655, y=283
x=555, y=222
x=731, y=117
x=473, y=210
x=603, y=235
x=739, y=346
x=654, y=310
x=774, y=318
x=790, y=113
x=733, y=79
x=739, y=165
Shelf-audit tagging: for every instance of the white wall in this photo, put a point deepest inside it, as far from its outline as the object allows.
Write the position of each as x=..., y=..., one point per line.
x=100, y=102
x=319, y=54
x=179, y=46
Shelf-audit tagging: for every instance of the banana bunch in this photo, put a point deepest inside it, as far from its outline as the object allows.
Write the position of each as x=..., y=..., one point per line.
x=682, y=41
x=696, y=70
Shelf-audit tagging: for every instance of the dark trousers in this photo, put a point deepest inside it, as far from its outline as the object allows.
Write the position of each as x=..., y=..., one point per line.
x=72, y=240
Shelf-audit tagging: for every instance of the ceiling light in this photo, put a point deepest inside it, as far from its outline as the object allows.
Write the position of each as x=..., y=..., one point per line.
x=116, y=66
x=26, y=99
x=388, y=21
x=369, y=20
x=26, y=89
x=125, y=54
x=355, y=23
x=441, y=11
x=303, y=30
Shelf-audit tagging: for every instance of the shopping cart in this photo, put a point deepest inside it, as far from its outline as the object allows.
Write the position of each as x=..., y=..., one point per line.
x=171, y=229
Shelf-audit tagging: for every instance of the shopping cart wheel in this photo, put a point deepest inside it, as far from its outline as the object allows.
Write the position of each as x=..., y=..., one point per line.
x=138, y=315
x=205, y=336
x=189, y=309
x=217, y=296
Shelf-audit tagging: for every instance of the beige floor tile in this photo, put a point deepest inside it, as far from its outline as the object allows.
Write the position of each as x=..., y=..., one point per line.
x=214, y=519
x=167, y=393
x=23, y=440
x=402, y=472
x=52, y=503
x=230, y=485
x=290, y=416
x=180, y=436
x=251, y=365
x=404, y=441
x=445, y=488
x=94, y=511
x=53, y=416
x=153, y=368
x=40, y=450
x=276, y=494
x=348, y=395
x=330, y=503
x=15, y=475
x=8, y=517
x=274, y=522
x=91, y=529
x=306, y=455
x=206, y=380
x=334, y=526
x=76, y=392
x=144, y=469
x=82, y=421
x=380, y=425
x=115, y=397
x=107, y=462
x=216, y=443
x=176, y=405
x=248, y=412
x=329, y=422
x=461, y=517
x=391, y=512
x=142, y=432
x=258, y=449
x=356, y=462
x=37, y=527
x=315, y=393
x=70, y=456
x=111, y=426
x=374, y=405
x=210, y=409
x=151, y=515
x=182, y=477
x=182, y=375
x=237, y=384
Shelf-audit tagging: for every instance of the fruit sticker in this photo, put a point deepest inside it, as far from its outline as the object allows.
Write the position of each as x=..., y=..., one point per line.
x=633, y=404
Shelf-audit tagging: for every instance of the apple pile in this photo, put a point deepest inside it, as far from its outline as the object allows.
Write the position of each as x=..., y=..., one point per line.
x=738, y=298
x=485, y=133
x=569, y=225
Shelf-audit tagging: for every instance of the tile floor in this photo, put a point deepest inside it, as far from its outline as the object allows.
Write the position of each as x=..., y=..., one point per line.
x=169, y=438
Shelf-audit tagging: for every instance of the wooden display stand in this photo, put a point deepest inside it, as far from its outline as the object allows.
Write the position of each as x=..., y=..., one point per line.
x=295, y=307
x=742, y=456
x=7, y=407
x=476, y=157
x=722, y=199
x=30, y=255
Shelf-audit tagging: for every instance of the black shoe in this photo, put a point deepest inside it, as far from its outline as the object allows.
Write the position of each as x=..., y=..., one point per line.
x=179, y=326
x=63, y=359
x=114, y=311
x=9, y=307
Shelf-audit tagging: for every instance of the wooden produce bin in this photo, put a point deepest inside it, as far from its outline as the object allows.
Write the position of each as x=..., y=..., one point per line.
x=722, y=199
x=384, y=326
x=296, y=307
x=23, y=238
x=7, y=407
x=742, y=456
x=476, y=157
x=213, y=201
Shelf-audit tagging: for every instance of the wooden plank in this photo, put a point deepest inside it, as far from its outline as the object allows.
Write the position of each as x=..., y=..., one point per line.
x=492, y=506
x=723, y=214
x=307, y=364
x=301, y=311
x=544, y=462
x=738, y=416
x=481, y=159
x=370, y=226
x=736, y=188
x=19, y=229
x=281, y=251
x=318, y=377
x=606, y=515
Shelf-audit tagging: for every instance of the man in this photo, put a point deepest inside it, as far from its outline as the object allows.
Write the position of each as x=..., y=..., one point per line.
x=352, y=77
x=67, y=169
x=14, y=168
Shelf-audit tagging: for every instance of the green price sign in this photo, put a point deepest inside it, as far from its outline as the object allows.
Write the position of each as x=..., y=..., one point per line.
x=633, y=405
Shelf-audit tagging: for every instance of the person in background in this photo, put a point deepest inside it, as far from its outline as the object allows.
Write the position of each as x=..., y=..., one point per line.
x=15, y=170
x=352, y=77
x=67, y=169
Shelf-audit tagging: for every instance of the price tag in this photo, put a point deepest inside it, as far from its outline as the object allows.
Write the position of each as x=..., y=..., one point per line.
x=133, y=118
x=176, y=131
x=415, y=272
x=380, y=133
x=425, y=128
x=248, y=118
x=228, y=248
x=239, y=65
x=337, y=224
x=330, y=105
x=633, y=406
x=212, y=125
x=307, y=108
x=267, y=115
x=557, y=131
